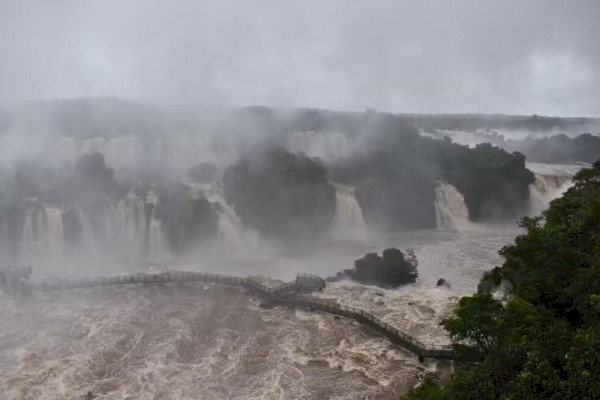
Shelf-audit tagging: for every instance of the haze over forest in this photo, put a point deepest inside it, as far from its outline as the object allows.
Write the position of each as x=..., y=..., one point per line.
x=320, y=199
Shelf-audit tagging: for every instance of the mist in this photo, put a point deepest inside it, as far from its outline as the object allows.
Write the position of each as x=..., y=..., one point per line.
x=388, y=148
x=410, y=56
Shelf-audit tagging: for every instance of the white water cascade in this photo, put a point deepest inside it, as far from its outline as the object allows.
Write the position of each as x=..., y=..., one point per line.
x=131, y=219
x=158, y=247
x=55, y=239
x=545, y=189
x=42, y=237
x=231, y=231
x=349, y=221
x=450, y=208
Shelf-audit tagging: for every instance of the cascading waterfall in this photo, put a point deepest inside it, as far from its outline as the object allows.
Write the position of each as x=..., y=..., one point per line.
x=158, y=246
x=42, y=236
x=33, y=232
x=349, y=221
x=127, y=229
x=5, y=254
x=132, y=223
x=55, y=238
x=545, y=189
x=450, y=208
x=231, y=229
x=89, y=240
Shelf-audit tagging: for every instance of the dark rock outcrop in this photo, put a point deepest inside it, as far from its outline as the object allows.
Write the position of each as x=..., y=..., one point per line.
x=443, y=283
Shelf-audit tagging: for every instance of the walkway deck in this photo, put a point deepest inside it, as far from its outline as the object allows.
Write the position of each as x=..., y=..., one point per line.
x=15, y=279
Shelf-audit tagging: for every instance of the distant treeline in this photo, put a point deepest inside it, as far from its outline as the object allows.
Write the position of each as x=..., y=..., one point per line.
x=109, y=117
x=557, y=149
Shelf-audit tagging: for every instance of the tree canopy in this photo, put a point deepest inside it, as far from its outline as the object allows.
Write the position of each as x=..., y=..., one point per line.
x=544, y=341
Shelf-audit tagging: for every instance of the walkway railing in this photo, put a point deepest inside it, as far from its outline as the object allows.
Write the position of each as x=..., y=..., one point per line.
x=14, y=279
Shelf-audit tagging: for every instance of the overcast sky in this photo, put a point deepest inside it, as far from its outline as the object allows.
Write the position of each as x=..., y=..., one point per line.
x=506, y=56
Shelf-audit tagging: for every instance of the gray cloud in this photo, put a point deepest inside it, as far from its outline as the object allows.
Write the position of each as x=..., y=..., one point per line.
x=539, y=56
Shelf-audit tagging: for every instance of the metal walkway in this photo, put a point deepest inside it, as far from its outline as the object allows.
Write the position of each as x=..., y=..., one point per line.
x=16, y=279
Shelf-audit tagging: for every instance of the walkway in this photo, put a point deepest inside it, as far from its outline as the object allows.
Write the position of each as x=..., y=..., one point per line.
x=16, y=279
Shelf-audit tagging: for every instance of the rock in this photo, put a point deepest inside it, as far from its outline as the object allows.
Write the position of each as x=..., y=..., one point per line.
x=442, y=282
x=268, y=305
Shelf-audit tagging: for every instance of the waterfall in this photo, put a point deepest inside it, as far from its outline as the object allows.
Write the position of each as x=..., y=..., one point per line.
x=55, y=237
x=131, y=217
x=42, y=236
x=158, y=246
x=349, y=221
x=31, y=244
x=450, y=208
x=231, y=231
x=545, y=189
x=230, y=225
x=88, y=238
x=5, y=256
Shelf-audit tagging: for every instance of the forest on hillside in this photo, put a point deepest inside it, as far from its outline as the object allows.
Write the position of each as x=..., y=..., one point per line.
x=542, y=341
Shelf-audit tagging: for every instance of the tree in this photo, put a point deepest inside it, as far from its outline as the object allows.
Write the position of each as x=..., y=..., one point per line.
x=475, y=322
x=392, y=270
x=287, y=197
x=545, y=342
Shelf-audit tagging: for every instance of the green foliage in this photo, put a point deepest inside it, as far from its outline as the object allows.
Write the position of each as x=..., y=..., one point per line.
x=285, y=196
x=544, y=343
x=187, y=220
x=583, y=365
x=475, y=322
x=93, y=178
x=395, y=268
x=559, y=149
x=396, y=176
x=429, y=389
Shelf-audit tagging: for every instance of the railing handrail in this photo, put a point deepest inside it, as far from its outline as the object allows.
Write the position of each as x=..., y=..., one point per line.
x=280, y=293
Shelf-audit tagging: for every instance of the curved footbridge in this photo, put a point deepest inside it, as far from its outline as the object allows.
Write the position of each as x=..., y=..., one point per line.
x=16, y=279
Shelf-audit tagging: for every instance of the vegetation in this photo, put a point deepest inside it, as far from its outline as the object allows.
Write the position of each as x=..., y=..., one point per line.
x=285, y=196
x=394, y=269
x=544, y=341
x=558, y=149
x=188, y=220
x=396, y=176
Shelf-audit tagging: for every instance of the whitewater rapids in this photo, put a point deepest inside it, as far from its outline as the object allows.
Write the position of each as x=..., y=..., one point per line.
x=191, y=342
x=204, y=341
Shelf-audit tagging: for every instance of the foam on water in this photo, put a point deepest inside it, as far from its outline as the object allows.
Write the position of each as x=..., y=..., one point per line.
x=205, y=341
x=178, y=342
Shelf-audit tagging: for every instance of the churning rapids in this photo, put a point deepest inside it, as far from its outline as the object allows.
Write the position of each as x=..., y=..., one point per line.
x=201, y=341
